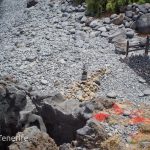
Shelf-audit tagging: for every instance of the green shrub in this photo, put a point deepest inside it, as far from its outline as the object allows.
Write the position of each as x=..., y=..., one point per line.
x=96, y=7
x=110, y=7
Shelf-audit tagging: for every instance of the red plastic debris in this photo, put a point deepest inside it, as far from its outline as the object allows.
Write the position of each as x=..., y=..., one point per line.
x=101, y=116
x=138, y=119
x=118, y=110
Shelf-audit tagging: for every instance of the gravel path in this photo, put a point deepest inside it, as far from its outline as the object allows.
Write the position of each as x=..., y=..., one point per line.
x=47, y=48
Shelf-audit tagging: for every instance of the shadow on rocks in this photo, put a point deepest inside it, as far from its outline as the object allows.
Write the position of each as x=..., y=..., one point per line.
x=1, y=9
x=140, y=64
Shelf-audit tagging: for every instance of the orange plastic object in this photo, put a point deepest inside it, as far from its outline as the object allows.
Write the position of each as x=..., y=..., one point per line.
x=138, y=119
x=101, y=116
x=118, y=110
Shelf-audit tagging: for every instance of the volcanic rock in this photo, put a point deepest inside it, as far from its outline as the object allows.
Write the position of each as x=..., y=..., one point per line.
x=91, y=135
x=35, y=140
x=143, y=23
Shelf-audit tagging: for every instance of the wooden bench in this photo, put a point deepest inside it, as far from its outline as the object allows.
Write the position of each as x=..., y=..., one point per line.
x=137, y=47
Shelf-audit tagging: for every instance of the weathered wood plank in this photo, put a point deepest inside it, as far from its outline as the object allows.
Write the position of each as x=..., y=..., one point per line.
x=137, y=47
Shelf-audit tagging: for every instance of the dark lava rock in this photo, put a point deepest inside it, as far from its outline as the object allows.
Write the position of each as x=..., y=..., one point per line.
x=12, y=101
x=129, y=14
x=31, y=3
x=142, y=9
x=91, y=135
x=61, y=126
x=143, y=24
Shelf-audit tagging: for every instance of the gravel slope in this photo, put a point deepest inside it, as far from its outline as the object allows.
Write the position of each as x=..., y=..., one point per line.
x=43, y=46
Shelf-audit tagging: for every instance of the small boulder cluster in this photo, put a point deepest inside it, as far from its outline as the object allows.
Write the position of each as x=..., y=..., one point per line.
x=135, y=17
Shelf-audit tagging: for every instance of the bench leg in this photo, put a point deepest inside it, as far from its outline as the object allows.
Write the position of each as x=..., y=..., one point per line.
x=147, y=45
x=127, y=49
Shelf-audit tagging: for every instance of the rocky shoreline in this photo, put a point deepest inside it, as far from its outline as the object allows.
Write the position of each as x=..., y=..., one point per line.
x=72, y=124
x=68, y=63
x=48, y=48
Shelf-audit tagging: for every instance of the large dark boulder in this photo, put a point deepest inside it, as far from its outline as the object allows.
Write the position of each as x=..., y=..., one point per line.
x=12, y=101
x=60, y=126
x=143, y=24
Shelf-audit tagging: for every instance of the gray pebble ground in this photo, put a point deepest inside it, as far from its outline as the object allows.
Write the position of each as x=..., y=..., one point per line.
x=47, y=47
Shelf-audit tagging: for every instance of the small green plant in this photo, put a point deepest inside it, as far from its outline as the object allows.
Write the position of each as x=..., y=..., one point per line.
x=93, y=7
x=96, y=7
x=110, y=6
